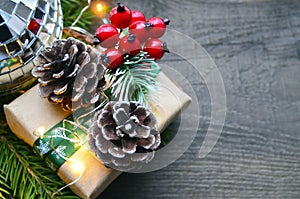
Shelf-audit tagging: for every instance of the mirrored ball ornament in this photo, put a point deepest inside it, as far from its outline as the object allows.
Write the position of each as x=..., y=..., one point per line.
x=26, y=27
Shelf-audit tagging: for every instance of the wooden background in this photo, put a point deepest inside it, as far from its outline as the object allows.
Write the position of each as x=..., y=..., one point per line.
x=255, y=44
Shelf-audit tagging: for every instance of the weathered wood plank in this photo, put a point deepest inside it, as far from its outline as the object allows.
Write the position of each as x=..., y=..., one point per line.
x=255, y=44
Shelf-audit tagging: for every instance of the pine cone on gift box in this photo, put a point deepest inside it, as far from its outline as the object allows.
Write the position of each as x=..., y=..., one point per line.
x=70, y=72
x=123, y=135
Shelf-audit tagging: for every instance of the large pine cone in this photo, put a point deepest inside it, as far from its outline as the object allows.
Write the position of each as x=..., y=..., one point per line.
x=70, y=73
x=123, y=135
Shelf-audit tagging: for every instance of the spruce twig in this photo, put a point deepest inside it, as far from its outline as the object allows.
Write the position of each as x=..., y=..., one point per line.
x=22, y=174
x=25, y=164
x=135, y=80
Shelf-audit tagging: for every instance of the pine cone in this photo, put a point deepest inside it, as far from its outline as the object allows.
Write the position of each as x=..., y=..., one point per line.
x=70, y=73
x=124, y=135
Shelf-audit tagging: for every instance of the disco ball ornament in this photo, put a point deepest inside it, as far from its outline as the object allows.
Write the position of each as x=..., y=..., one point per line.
x=26, y=27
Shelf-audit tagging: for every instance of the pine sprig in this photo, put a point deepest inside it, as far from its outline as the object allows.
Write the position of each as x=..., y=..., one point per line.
x=135, y=80
x=22, y=174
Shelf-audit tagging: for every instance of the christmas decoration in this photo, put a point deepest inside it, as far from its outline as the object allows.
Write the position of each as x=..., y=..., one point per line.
x=141, y=29
x=62, y=64
x=124, y=134
x=18, y=163
x=100, y=8
x=107, y=35
x=59, y=143
x=130, y=45
x=34, y=25
x=155, y=48
x=112, y=58
x=120, y=16
x=137, y=16
x=159, y=26
x=135, y=80
x=8, y=62
x=47, y=115
x=26, y=28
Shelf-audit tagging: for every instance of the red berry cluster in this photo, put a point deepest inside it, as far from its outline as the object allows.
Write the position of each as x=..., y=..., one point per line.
x=143, y=36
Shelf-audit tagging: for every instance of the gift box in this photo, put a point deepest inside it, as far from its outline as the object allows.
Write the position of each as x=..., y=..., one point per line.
x=29, y=112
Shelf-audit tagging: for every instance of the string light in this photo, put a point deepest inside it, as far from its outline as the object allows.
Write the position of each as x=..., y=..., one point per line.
x=40, y=131
x=99, y=7
x=81, y=12
x=77, y=167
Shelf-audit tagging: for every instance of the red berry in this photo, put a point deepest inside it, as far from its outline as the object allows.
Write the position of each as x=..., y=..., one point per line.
x=137, y=16
x=155, y=48
x=107, y=36
x=33, y=25
x=159, y=28
x=140, y=29
x=112, y=58
x=120, y=16
x=130, y=45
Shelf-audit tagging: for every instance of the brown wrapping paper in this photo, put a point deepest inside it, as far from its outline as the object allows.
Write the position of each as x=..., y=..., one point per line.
x=28, y=112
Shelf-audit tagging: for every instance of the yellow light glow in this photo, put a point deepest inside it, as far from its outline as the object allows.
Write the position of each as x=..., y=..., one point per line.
x=77, y=167
x=99, y=7
x=40, y=131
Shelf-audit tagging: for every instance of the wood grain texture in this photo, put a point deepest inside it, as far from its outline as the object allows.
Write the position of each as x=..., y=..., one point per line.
x=256, y=45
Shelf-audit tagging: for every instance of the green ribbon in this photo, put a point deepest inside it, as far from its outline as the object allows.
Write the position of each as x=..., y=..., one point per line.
x=60, y=142
x=56, y=157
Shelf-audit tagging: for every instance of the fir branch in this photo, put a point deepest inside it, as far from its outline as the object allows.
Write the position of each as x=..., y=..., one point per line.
x=135, y=80
x=22, y=174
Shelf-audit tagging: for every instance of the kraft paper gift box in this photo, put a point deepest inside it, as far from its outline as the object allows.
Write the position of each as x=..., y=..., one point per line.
x=29, y=112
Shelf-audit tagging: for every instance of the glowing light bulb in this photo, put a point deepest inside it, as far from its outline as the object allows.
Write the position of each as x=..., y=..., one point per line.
x=40, y=131
x=99, y=7
x=77, y=167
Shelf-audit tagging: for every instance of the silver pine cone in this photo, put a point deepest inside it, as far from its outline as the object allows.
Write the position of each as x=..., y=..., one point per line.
x=70, y=73
x=124, y=135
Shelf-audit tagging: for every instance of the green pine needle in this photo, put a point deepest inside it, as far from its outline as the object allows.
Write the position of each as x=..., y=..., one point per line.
x=22, y=174
x=71, y=9
x=135, y=80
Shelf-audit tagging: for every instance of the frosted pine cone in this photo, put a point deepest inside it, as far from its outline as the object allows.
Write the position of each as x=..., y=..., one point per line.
x=70, y=73
x=123, y=135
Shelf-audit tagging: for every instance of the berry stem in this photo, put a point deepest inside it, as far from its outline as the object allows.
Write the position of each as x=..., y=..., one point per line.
x=121, y=7
x=131, y=37
x=96, y=41
x=166, y=21
x=165, y=48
